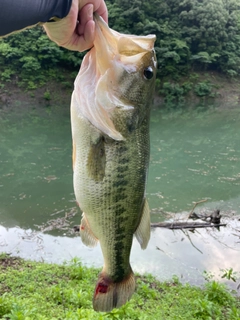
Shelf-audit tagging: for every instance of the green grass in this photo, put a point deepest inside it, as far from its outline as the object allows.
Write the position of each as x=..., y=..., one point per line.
x=34, y=290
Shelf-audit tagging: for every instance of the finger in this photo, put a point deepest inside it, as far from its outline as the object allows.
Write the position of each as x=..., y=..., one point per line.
x=99, y=6
x=85, y=15
x=89, y=33
x=85, y=41
x=102, y=11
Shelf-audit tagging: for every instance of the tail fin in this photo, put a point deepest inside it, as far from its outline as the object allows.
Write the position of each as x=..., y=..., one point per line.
x=109, y=294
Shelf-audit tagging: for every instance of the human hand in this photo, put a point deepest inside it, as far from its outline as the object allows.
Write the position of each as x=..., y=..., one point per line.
x=77, y=30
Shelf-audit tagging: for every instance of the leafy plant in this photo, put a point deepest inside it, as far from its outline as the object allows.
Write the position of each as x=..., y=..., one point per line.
x=203, y=88
x=229, y=274
x=205, y=309
x=47, y=95
x=5, y=305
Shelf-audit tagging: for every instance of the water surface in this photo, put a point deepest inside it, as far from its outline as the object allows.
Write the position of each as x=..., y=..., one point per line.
x=195, y=155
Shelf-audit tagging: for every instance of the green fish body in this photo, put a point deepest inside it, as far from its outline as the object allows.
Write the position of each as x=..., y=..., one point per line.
x=110, y=112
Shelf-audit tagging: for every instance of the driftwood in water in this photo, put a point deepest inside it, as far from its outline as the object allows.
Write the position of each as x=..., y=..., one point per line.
x=185, y=225
x=214, y=217
x=212, y=220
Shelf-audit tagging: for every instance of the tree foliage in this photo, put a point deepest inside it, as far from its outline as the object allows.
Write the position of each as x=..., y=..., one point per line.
x=191, y=35
x=30, y=57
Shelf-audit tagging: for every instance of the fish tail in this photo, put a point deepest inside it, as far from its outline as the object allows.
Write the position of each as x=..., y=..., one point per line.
x=109, y=294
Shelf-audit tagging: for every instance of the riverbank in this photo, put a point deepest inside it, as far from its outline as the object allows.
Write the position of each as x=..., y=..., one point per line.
x=52, y=93
x=34, y=290
x=198, y=87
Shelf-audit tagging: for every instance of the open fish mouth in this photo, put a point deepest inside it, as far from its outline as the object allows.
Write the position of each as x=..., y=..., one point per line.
x=113, y=47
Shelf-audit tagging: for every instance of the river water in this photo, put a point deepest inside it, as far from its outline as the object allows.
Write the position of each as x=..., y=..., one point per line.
x=195, y=155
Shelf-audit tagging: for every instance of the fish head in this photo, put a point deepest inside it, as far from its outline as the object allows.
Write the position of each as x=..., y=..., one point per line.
x=135, y=83
x=120, y=73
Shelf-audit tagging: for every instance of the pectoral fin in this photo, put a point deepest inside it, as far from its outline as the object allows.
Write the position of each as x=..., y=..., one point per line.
x=87, y=236
x=143, y=230
x=97, y=160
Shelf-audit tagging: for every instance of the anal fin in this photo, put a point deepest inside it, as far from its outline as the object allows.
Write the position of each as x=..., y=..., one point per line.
x=87, y=236
x=143, y=230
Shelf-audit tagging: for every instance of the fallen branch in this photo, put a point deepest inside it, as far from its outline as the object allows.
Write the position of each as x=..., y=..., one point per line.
x=213, y=221
x=187, y=235
x=196, y=203
x=214, y=217
x=186, y=225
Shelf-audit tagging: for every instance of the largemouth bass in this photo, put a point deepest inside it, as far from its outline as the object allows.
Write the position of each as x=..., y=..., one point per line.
x=110, y=112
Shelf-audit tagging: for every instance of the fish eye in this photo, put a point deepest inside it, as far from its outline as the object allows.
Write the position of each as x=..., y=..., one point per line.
x=148, y=73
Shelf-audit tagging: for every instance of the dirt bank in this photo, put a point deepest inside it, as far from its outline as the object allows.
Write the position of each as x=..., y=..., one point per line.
x=51, y=93
x=225, y=91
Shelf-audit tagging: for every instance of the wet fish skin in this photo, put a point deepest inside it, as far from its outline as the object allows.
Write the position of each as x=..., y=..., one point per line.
x=110, y=159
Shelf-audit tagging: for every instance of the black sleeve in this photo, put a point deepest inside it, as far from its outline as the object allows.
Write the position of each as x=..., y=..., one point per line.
x=19, y=14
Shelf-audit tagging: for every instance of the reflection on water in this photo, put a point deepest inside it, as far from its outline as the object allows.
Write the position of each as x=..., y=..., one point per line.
x=194, y=156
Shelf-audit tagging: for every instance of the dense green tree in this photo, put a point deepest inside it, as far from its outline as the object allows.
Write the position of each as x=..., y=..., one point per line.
x=191, y=35
x=33, y=58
